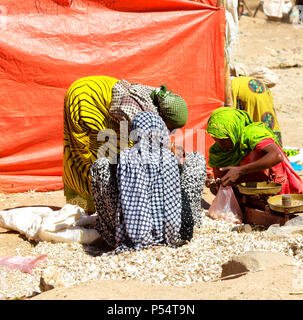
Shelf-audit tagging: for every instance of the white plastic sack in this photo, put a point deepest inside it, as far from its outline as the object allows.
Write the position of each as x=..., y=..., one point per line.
x=72, y=234
x=231, y=32
x=273, y=8
x=42, y=223
x=232, y=27
x=287, y=7
x=26, y=221
x=232, y=7
x=277, y=8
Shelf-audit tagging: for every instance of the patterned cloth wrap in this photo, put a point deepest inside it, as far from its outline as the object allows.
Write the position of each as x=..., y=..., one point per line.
x=105, y=194
x=171, y=106
x=192, y=177
x=148, y=210
x=252, y=96
x=139, y=200
x=128, y=99
x=86, y=113
x=131, y=98
x=237, y=125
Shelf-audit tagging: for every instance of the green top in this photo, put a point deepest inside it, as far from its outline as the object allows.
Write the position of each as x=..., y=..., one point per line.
x=237, y=125
x=172, y=107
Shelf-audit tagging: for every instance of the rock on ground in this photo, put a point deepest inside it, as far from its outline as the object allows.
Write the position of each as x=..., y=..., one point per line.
x=254, y=261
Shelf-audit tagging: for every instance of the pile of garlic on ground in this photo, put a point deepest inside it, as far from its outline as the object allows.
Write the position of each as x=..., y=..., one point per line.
x=200, y=260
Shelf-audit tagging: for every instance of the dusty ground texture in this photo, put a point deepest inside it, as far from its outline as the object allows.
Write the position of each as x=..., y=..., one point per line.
x=262, y=43
x=263, y=285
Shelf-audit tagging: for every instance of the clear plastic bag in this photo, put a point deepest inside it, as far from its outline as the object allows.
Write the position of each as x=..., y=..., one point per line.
x=225, y=206
x=292, y=228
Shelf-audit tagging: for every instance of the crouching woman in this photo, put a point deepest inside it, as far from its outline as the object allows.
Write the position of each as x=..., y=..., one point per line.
x=247, y=151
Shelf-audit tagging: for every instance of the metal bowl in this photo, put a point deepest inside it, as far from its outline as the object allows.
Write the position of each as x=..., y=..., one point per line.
x=275, y=203
x=253, y=188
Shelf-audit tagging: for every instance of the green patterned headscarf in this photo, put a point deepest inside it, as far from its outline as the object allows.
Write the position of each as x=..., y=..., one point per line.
x=172, y=107
x=237, y=125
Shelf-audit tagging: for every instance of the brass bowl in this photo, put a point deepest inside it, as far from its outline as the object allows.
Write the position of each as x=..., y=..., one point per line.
x=253, y=188
x=275, y=203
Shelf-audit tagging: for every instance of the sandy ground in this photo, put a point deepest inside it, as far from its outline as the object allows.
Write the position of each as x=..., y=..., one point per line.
x=263, y=285
x=262, y=43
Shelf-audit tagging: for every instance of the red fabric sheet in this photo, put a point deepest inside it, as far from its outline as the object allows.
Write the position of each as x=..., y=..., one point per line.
x=46, y=45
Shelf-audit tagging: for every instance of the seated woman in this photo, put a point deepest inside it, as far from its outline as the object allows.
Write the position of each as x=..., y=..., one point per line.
x=247, y=151
x=139, y=200
x=253, y=96
x=99, y=104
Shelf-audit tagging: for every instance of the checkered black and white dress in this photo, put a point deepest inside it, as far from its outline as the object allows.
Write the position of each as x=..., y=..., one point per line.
x=139, y=201
x=192, y=178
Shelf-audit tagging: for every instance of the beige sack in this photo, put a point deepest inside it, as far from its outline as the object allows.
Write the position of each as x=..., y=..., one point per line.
x=266, y=75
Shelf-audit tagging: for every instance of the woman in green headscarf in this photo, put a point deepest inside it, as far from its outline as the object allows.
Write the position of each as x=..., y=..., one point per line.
x=172, y=108
x=94, y=109
x=247, y=151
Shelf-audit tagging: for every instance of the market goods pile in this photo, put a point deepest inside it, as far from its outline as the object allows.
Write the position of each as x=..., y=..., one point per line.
x=200, y=260
x=291, y=152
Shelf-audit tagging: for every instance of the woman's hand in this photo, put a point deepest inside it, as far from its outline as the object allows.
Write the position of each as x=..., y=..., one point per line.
x=231, y=176
x=272, y=156
x=213, y=185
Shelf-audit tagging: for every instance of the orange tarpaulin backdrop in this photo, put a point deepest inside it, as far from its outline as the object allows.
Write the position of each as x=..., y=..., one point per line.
x=45, y=45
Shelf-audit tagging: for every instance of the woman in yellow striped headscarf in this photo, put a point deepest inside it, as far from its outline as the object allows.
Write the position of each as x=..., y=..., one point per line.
x=253, y=96
x=93, y=110
x=86, y=112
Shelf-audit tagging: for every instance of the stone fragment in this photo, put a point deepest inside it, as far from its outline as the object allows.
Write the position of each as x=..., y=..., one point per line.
x=50, y=278
x=254, y=261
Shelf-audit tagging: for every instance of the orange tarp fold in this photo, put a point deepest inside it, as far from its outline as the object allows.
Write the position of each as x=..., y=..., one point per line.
x=46, y=45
